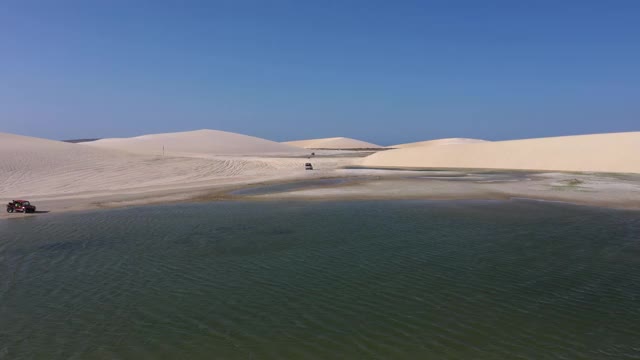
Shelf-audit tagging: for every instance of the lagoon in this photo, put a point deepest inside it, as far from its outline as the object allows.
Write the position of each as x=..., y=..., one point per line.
x=323, y=280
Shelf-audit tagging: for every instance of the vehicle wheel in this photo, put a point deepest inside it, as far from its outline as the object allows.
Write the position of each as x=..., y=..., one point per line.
x=9, y=210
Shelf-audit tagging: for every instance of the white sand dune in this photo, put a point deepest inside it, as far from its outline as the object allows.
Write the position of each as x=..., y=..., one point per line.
x=438, y=142
x=203, y=142
x=45, y=169
x=78, y=176
x=29, y=165
x=615, y=152
x=333, y=143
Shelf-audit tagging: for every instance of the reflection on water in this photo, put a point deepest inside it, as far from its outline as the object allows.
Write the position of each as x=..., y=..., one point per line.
x=389, y=279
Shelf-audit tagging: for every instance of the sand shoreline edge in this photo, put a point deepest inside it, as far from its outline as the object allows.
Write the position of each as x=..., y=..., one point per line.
x=615, y=191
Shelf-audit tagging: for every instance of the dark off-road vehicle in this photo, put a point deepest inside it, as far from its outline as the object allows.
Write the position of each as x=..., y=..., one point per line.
x=20, y=206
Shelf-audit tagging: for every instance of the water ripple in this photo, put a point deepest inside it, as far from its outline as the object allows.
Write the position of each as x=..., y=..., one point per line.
x=375, y=280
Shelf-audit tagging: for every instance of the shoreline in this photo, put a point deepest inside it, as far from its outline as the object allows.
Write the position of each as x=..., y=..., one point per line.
x=210, y=165
x=615, y=191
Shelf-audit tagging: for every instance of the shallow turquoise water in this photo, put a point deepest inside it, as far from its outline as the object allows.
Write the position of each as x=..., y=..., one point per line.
x=323, y=280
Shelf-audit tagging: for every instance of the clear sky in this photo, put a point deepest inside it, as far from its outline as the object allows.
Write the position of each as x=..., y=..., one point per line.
x=381, y=71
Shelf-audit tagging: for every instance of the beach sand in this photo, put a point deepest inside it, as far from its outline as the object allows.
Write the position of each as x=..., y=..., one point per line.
x=59, y=177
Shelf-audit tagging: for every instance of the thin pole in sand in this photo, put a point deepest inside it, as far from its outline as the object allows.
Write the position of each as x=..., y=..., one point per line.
x=162, y=150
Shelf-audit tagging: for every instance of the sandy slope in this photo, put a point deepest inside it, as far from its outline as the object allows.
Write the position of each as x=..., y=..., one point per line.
x=30, y=165
x=211, y=142
x=616, y=152
x=39, y=169
x=438, y=142
x=333, y=143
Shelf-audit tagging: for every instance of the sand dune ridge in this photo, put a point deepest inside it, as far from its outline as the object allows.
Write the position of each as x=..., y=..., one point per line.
x=615, y=152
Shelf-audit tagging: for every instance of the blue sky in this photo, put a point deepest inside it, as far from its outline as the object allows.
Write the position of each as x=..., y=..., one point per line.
x=382, y=71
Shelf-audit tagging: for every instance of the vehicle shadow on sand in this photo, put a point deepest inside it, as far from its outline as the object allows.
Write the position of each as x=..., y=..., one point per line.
x=30, y=213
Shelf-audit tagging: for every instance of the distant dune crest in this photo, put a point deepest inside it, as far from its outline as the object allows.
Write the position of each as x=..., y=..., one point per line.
x=615, y=152
x=206, y=142
x=333, y=143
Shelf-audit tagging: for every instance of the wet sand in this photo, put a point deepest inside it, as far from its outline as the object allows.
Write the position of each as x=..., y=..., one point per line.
x=607, y=190
x=604, y=190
